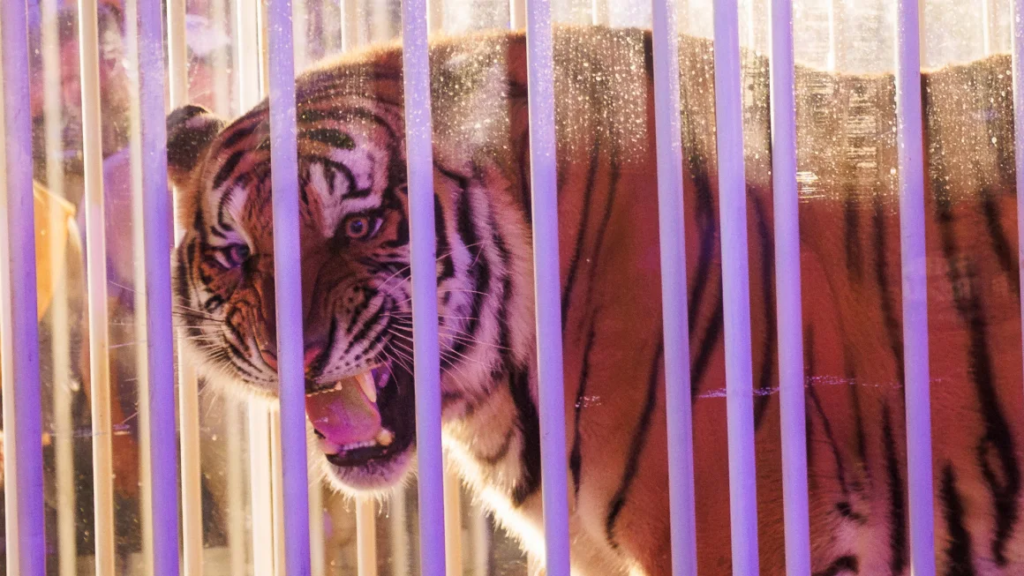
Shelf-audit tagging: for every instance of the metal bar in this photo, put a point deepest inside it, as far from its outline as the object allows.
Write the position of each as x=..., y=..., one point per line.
x=547, y=285
x=139, y=296
x=317, y=553
x=480, y=530
x=288, y=286
x=736, y=288
x=260, y=491
x=366, y=537
x=517, y=14
x=92, y=145
x=236, y=529
x=787, y=294
x=157, y=229
x=910, y=167
x=349, y=25
x=427, y=367
x=452, y=524
x=63, y=441
x=277, y=496
x=673, y=288
x=188, y=390
x=399, y=534
x=23, y=453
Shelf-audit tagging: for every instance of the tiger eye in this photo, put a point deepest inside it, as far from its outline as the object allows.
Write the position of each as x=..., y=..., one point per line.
x=357, y=227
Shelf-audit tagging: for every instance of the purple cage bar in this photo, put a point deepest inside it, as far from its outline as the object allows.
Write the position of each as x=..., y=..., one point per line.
x=27, y=426
x=910, y=167
x=157, y=214
x=675, y=316
x=547, y=285
x=288, y=288
x=732, y=188
x=787, y=294
x=423, y=258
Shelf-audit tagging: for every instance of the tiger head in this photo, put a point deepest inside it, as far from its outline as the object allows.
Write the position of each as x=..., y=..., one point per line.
x=355, y=276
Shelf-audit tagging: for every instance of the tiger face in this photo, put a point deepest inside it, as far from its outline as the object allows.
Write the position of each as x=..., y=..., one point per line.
x=355, y=266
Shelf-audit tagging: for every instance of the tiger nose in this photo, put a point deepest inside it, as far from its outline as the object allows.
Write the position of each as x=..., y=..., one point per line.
x=313, y=351
x=309, y=356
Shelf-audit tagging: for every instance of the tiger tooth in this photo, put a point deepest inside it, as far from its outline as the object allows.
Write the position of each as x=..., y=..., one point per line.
x=385, y=437
x=369, y=388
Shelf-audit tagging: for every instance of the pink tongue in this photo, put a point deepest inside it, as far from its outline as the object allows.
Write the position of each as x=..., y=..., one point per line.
x=343, y=416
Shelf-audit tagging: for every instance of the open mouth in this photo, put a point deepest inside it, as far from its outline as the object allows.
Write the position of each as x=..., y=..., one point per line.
x=363, y=419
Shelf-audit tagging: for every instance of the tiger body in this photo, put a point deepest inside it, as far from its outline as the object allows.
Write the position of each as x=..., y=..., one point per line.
x=357, y=314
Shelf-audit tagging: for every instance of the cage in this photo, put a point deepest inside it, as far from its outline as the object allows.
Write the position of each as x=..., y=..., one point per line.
x=899, y=116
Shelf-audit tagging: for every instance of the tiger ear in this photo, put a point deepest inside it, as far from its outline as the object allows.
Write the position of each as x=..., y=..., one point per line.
x=190, y=130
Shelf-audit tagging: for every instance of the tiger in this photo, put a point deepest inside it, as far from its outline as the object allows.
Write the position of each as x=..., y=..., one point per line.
x=356, y=294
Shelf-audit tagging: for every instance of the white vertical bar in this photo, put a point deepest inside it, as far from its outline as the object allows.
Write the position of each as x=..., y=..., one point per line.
x=349, y=25
x=399, y=534
x=831, y=60
x=92, y=145
x=236, y=529
x=986, y=27
x=21, y=384
x=599, y=12
x=366, y=537
x=221, y=86
x=788, y=299
x=177, y=52
x=317, y=553
x=452, y=524
x=673, y=288
x=63, y=441
x=427, y=368
x=910, y=166
x=139, y=277
x=157, y=227
x=736, y=287
x=288, y=286
x=547, y=284
x=260, y=493
x=188, y=391
x=435, y=15
x=517, y=14
x=481, y=531
x=277, y=495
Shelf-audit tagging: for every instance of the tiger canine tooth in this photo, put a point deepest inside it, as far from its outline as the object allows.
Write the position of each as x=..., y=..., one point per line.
x=369, y=388
x=385, y=437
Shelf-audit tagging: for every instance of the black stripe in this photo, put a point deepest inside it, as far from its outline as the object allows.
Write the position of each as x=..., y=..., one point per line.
x=892, y=324
x=575, y=456
x=529, y=426
x=840, y=565
x=365, y=329
x=854, y=255
x=830, y=437
x=228, y=168
x=996, y=450
x=706, y=347
x=636, y=448
x=769, y=352
x=574, y=260
x=897, y=506
x=958, y=550
x=328, y=136
x=479, y=271
x=1000, y=242
x=444, y=249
